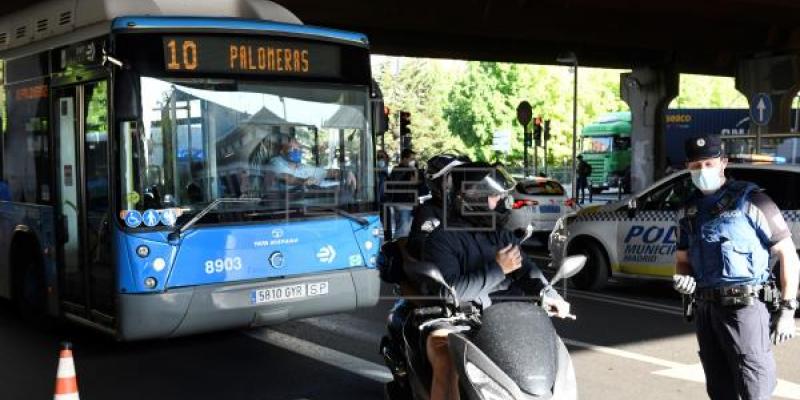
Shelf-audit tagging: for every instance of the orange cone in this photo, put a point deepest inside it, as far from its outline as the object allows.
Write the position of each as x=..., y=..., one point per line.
x=66, y=381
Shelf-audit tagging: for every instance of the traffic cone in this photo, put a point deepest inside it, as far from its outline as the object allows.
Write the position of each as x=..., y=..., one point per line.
x=66, y=381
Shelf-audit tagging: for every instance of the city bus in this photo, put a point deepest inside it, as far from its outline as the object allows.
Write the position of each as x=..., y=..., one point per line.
x=173, y=167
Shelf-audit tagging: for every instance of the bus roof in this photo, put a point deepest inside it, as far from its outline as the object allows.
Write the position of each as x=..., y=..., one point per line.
x=55, y=18
x=617, y=123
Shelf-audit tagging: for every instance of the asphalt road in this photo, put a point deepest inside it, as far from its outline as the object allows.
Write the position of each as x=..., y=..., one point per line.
x=629, y=342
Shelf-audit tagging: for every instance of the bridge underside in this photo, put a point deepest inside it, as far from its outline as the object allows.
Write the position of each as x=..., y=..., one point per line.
x=705, y=37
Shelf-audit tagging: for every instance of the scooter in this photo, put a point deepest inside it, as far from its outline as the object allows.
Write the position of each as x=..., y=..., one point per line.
x=508, y=351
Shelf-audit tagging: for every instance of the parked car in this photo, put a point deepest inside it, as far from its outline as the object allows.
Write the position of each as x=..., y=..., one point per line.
x=636, y=237
x=540, y=202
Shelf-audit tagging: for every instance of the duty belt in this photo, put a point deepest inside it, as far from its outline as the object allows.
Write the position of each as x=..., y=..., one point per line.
x=743, y=295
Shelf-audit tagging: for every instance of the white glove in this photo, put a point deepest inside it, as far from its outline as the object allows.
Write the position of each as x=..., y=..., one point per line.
x=554, y=304
x=683, y=284
x=783, y=327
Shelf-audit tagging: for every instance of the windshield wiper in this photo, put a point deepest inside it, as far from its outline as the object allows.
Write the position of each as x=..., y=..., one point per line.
x=359, y=220
x=180, y=229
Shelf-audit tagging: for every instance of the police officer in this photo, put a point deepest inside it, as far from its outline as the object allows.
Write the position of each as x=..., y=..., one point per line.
x=480, y=259
x=428, y=215
x=728, y=230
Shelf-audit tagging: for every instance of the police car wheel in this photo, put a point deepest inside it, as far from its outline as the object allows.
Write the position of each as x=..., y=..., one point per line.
x=594, y=275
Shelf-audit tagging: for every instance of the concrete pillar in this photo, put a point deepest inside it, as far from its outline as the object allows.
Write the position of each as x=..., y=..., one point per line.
x=779, y=78
x=648, y=92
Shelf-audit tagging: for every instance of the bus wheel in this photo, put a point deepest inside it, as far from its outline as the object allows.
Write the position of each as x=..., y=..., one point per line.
x=31, y=294
x=594, y=275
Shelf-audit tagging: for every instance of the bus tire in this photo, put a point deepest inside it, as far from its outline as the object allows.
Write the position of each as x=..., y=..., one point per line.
x=594, y=275
x=30, y=289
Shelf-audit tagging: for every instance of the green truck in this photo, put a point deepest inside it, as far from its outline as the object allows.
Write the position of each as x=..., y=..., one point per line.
x=607, y=148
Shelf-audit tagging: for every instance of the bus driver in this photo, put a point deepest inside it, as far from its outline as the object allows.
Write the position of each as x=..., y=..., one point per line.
x=292, y=173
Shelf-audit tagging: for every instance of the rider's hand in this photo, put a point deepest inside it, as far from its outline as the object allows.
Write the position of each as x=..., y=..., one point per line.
x=553, y=303
x=783, y=328
x=683, y=284
x=509, y=259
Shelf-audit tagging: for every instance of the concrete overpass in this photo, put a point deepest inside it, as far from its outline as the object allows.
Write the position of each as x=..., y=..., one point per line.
x=757, y=41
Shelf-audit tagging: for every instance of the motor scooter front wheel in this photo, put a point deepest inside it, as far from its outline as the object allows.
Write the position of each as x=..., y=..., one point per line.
x=394, y=391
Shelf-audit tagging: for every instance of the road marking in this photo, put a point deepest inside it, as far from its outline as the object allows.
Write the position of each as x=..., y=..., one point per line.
x=346, y=325
x=676, y=370
x=335, y=358
x=641, y=304
x=644, y=305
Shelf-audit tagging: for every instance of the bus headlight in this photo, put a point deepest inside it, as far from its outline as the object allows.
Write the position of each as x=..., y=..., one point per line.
x=159, y=264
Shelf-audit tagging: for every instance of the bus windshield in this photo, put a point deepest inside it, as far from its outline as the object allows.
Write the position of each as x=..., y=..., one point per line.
x=290, y=146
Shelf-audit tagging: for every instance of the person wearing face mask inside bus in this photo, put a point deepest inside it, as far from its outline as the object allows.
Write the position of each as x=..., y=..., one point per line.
x=292, y=173
x=728, y=231
x=480, y=259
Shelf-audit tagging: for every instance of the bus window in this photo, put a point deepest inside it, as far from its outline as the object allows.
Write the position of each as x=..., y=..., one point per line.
x=203, y=141
x=26, y=153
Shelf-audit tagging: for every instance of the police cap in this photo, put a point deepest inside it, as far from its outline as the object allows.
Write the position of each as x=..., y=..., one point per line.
x=702, y=147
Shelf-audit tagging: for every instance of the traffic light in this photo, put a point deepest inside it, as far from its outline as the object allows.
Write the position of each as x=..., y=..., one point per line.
x=537, y=130
x=384, y=122
x=405, y=130
x=547, y=130
x=405, y=122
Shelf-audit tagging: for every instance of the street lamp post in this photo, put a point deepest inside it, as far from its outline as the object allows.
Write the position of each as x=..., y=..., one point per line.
x=569, y=57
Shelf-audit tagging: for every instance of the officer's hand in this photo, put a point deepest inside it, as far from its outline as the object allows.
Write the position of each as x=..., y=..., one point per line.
x=683, y=284
x=509, y=259
x=783, y=328
x=554, y=304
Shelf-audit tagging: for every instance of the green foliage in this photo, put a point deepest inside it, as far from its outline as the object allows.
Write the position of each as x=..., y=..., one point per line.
x=700, y=91
x=458, y=105
x=421, y=87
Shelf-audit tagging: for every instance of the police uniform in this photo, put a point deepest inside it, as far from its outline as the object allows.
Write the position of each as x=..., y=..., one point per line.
x=728, y=235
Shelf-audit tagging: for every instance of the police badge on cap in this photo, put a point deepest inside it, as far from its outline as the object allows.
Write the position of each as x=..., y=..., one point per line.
x=703, y=147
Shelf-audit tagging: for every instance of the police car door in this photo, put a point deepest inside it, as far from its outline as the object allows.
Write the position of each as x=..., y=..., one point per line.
x=647, y=237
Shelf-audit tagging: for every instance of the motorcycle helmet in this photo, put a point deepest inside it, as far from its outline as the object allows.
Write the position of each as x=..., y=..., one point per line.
x=436, y=174
x=473, y=184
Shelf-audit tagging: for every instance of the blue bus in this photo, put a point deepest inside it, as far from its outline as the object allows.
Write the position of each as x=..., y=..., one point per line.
x=169, y=170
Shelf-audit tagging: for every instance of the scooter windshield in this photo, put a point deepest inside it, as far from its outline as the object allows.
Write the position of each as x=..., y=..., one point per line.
x=521, y=340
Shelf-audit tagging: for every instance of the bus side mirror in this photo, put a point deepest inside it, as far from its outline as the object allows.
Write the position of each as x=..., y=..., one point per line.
x=126, y=99
x=632, y=207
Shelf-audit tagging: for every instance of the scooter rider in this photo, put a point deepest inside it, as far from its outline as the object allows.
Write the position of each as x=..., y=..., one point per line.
x=727, y=232
x=428, y=215
x=480, y=259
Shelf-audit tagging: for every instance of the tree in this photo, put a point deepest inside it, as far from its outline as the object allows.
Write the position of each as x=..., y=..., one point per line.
x=419, y=86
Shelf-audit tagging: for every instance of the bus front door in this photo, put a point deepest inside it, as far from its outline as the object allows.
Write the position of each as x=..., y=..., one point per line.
x=87, y=278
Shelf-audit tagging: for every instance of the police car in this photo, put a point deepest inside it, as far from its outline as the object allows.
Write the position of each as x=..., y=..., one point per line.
x=636, y=237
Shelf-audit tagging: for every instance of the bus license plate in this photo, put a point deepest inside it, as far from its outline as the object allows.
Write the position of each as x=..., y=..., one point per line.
x=289, y=292
x=550, y=209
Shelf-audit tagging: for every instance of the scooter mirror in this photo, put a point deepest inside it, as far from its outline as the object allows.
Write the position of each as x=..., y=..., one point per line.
x=528, y=233
x=569, y=267
x=423, y=272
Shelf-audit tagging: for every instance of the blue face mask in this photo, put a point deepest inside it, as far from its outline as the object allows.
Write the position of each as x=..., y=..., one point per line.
x=295, y=155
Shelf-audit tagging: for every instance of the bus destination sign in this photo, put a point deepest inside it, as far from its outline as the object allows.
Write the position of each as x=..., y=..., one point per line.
x=266, y=56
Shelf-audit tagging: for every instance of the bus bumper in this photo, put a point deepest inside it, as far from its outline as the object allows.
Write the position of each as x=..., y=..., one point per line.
x=190, y=310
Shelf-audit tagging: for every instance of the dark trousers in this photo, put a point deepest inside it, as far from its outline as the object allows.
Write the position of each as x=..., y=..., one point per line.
x=582, y=183
x=736, y=351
